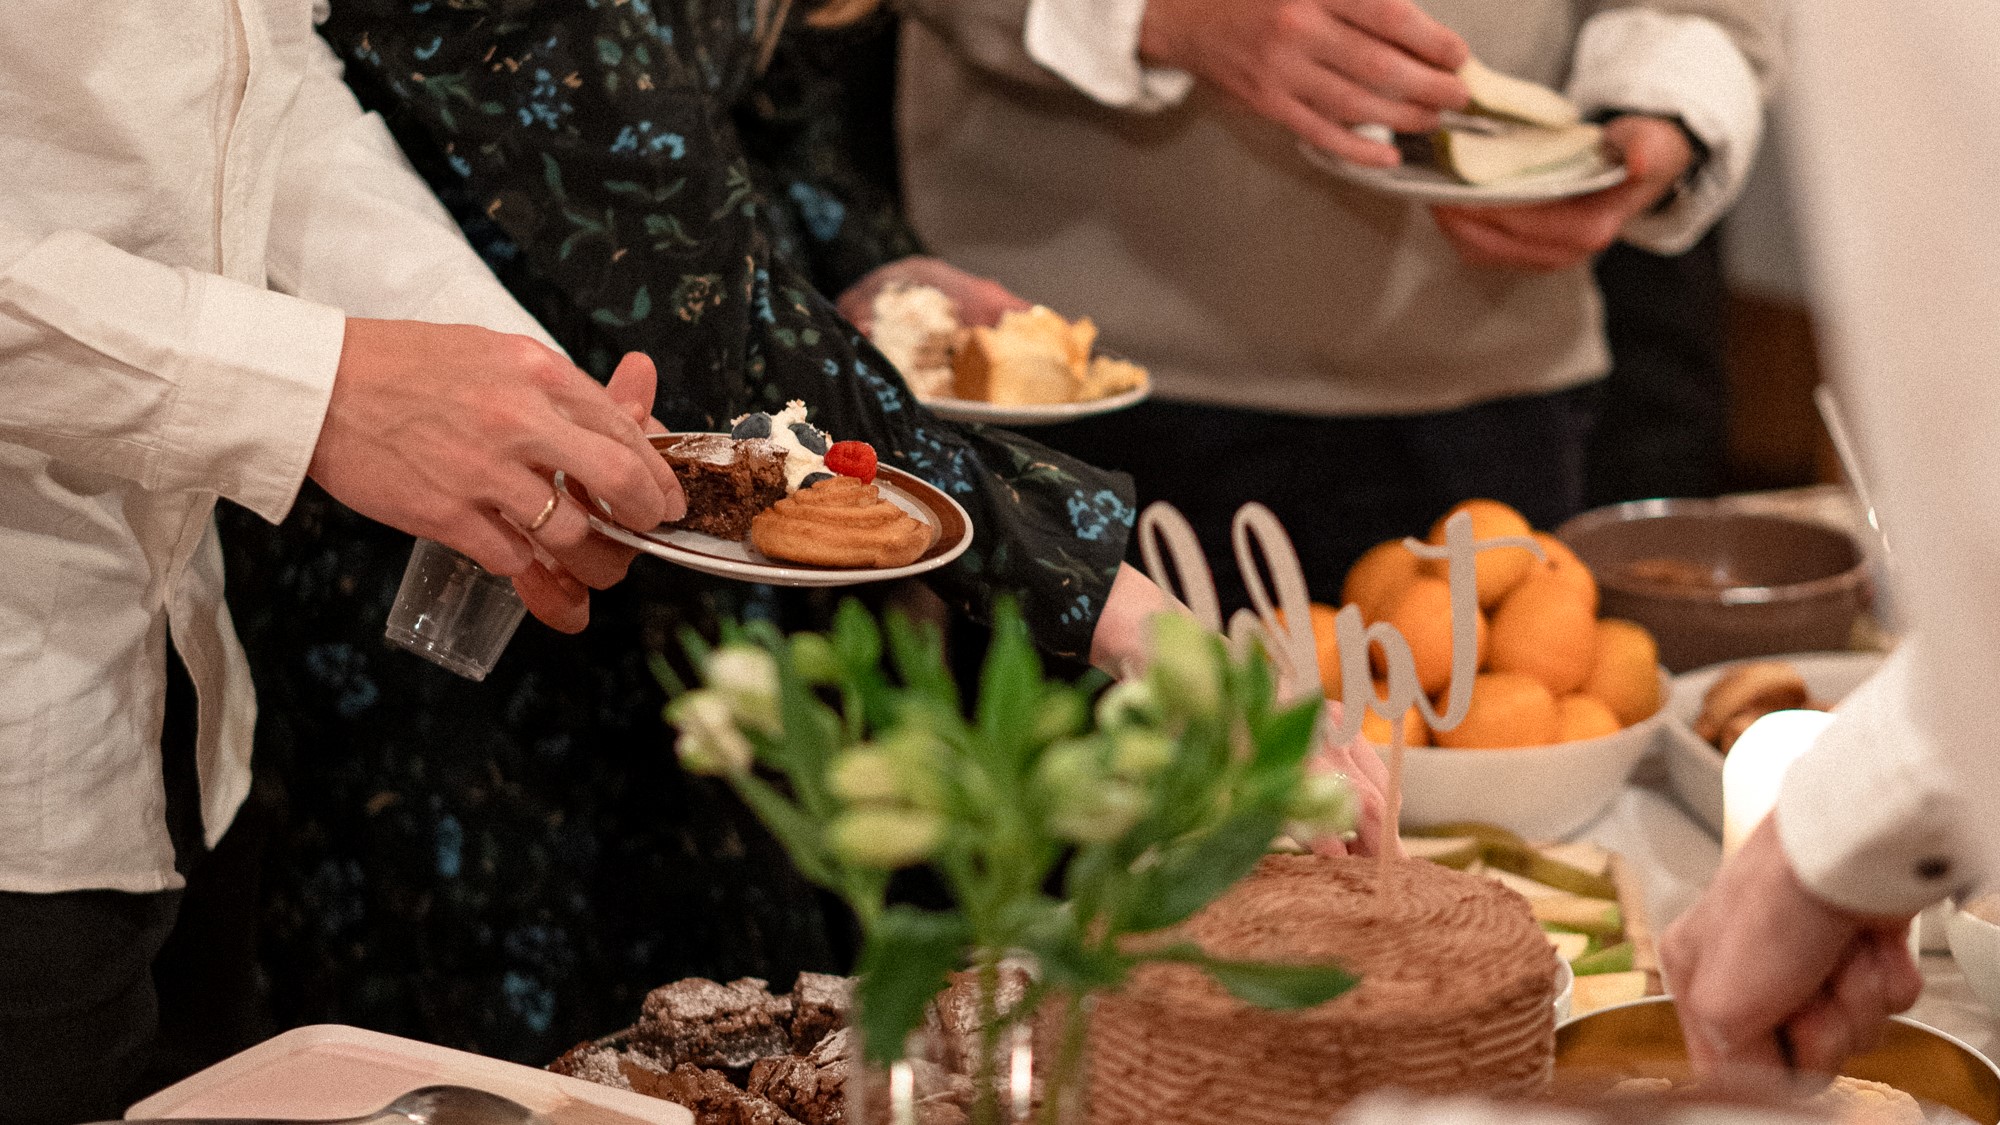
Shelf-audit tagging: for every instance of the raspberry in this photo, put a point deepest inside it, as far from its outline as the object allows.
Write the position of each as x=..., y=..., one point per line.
x=852, y=459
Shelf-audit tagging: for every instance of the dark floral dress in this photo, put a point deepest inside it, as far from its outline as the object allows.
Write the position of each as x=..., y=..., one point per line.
x=507, y=866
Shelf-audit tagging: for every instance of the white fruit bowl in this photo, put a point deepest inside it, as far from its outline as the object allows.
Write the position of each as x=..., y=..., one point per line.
x=1694, y=767
x=1975, y=945
x=1536, y=792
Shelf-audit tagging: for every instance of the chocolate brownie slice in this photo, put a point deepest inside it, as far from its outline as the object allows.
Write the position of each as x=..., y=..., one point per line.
x=726, y=481
x=716, y=1025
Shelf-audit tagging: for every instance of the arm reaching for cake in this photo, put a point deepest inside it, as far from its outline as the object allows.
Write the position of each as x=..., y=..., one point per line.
x=1118, y=646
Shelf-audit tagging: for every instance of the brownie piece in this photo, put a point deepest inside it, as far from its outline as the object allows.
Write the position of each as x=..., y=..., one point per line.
x=597, y=1061
x=821, y=1004
x=715, y=1101
x=726, y=481
x=717, y=1025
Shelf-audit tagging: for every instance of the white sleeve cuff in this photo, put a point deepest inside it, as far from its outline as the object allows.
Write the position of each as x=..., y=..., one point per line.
x=1680, y=66
x=1094, y=46
x=247, y=429
x=1865, y=818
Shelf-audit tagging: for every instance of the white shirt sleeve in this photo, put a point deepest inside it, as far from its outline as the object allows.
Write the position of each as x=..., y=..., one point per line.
x=1898, y=801
x=354, y=226
x=1680, y=66
x=1094, y=46
x=164, y=376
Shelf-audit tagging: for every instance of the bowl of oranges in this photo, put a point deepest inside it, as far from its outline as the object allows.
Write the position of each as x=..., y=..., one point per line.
x=1564, y=703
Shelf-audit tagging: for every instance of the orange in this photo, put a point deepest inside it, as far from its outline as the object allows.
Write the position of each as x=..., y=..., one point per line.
x=1508, y=709
x=1375, y=728
x=1563, y=566
x=1583, y=716
x=1327, y=641
x=1543, y=629
x=1422, y=614
x=1377, y=577
x=1499, y=569
x=1624, y=670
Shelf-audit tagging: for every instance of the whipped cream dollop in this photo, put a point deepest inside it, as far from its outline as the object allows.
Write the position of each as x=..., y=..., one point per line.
x=804, y=444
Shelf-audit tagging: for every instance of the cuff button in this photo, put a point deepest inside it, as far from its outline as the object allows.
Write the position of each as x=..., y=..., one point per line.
x=1932, y=869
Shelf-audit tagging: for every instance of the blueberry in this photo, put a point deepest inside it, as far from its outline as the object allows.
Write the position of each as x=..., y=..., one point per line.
x=812, y=439
x=814, y=478
x=752, y=426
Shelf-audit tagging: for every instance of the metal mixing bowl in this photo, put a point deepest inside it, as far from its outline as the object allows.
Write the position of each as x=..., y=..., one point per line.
x=1714, y=583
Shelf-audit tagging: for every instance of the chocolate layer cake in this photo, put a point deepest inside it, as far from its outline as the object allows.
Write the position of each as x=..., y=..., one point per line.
x=1457, y=995
x=727, y=481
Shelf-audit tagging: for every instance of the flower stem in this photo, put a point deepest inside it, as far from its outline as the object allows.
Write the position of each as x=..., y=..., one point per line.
x=985, y=1092
x=1056, y=1088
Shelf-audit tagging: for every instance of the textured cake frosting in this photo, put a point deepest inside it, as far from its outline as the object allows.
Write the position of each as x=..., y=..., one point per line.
x=1457, y=995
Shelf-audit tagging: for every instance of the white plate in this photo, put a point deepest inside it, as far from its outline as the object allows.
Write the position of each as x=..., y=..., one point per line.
x=1537, y=792
x=1429, y=185
x=951, y=534
x=330, y=1071
x=1694, y=767
x=1034, y=414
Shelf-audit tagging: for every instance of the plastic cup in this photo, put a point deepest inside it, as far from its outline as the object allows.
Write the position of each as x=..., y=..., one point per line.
x=453, y=612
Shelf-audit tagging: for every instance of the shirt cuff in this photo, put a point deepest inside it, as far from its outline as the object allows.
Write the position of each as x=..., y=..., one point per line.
x=1644, y=61
x=245, y=424
x=1094, y=46
x=1865, y=817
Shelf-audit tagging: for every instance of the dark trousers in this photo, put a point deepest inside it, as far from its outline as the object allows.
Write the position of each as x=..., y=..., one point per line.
x=107, y=996
x=1341, y=485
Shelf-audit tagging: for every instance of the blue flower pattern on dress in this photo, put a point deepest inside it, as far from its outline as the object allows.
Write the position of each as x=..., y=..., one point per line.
x=1099, y=514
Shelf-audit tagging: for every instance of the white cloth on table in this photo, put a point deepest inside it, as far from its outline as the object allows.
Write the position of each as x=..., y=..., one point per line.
x=192, y=203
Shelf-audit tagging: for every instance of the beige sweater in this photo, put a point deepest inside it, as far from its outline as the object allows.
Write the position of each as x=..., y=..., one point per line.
x=1208, y=249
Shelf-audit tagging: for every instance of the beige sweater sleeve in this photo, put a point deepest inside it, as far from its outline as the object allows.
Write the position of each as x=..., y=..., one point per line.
x=1756, y=27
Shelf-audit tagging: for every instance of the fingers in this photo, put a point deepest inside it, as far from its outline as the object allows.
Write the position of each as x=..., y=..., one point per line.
x=1481, y=241
x=488, y=541
x=557, y=600
x=1408, y=27
x=1337, y=97
x=1406, y=81
x=1654, y=151
x=604, y=448
x=1329, y=136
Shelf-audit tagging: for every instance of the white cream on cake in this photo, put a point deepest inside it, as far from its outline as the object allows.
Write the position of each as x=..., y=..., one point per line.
x=800, y=462
x=914, y=327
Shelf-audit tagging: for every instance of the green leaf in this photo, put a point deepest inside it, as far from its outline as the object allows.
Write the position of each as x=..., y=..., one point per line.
x=1192, y=873
x=1268, y=985
x=670, y=680
x=856, y=640
x=1010, y=689
x=1280, y=745
x=903, y=965
x=918, y=654
x=799, y=833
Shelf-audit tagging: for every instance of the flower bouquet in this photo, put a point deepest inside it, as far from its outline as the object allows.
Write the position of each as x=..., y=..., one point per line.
x=1072, y=824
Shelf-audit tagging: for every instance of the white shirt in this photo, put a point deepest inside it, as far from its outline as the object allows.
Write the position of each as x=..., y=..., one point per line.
x=172, y=169
x=1896, y=107
x=1635, y=59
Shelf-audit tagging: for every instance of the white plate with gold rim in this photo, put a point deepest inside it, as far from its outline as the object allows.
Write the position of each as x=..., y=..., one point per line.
x=951, y=534
x=1033, y=414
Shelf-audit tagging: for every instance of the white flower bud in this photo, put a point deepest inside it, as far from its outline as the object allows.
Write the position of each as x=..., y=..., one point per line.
x=1138, y=754
x=865, y=777
x=709, y=740
x=884, y=838
x=1185, y=665
x=1128, y=703
x=1323, y=805
x=747, y=679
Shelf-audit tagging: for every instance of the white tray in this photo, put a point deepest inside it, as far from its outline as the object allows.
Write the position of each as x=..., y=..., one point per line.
x=334, y=1071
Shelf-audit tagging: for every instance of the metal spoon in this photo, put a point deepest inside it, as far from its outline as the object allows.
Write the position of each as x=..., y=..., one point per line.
x=427, y=1105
